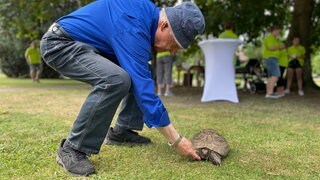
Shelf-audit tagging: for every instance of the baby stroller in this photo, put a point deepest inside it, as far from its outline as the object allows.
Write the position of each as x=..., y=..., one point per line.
x=253, y=76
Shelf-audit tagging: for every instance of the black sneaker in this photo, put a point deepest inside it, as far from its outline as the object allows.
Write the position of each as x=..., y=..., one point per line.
x=74, y=161
x=125, y=137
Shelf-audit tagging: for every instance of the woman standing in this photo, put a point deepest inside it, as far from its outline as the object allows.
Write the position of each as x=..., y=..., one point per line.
x=296, y=54
x=270, y=54
x=164, y=72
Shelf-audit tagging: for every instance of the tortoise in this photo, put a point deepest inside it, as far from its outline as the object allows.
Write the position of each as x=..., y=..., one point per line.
x=210, y=146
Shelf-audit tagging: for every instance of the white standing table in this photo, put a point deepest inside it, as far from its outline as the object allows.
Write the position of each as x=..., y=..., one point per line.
x=219, y=70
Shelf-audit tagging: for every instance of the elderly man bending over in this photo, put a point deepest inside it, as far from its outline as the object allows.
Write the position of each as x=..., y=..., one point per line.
x=107, y=44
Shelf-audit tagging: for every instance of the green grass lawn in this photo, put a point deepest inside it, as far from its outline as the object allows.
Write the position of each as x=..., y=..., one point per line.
x=269, y=139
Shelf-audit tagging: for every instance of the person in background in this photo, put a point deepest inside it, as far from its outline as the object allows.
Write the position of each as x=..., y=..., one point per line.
x=283, y=63
x=228, y=32
x=296, y=54
x=33, y=58
x=164, y=73
x=270, y=53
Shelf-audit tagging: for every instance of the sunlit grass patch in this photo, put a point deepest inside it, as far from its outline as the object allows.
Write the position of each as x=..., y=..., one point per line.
x=269, y=139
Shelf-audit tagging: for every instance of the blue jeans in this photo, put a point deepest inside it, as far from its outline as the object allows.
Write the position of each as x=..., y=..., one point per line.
x=35, y=67
x=272, y=67
x=110, y=84
x=164, y=70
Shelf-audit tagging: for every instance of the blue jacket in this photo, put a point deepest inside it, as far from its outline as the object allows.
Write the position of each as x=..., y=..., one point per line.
x=124, y=32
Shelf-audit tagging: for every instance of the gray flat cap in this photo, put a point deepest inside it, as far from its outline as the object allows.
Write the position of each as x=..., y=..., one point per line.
x=186, y=21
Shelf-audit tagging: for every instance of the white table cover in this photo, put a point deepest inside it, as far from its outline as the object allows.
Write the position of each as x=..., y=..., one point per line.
x=219, y=70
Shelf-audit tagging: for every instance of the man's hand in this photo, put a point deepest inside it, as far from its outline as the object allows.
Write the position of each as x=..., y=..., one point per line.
x=185, y=148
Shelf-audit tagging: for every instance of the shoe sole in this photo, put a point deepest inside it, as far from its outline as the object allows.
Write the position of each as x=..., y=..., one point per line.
x=59, y=161
x=272, y=97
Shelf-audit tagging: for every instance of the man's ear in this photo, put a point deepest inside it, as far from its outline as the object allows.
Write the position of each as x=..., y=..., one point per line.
x=163, y=25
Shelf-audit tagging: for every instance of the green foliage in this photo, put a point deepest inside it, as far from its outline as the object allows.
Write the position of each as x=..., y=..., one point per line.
x=315, y=30
x=316, y=63
x=162, y=3
x=30, y=19
x=12, y=62
x=24, y=21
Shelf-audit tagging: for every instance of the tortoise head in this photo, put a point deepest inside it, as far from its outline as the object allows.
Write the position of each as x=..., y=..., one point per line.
x=203, y=153
x=209, y=155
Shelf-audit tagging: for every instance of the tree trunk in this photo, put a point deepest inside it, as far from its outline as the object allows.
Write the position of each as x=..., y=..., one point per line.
x=301, y=26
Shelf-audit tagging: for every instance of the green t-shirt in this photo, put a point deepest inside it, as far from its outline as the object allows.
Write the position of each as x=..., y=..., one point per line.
x=33, y=55
x=228, y=34
x=283, y=58
x=296, y=51
x=270, y=41
x=163, y=54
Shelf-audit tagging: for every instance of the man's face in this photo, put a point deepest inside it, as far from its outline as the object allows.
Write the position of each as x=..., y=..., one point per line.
x=164, y=40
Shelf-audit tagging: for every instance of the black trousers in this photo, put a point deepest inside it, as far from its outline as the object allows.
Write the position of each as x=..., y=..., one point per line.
x=281, y=81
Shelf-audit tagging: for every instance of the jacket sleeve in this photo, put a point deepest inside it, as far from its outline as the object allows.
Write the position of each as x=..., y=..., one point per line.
x=133, y=53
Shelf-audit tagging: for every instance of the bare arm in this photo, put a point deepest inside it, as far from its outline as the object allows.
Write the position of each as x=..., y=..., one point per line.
x=275, y=48
x=184, y=146
x=26, y=56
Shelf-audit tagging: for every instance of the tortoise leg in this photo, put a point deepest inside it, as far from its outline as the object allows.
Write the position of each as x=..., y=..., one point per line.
x=215, y=158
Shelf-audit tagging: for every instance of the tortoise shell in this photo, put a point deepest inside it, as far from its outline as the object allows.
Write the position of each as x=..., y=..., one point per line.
x=210, y=145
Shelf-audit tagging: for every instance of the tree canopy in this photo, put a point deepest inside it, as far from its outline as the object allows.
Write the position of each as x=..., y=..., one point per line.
x=23, y=21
